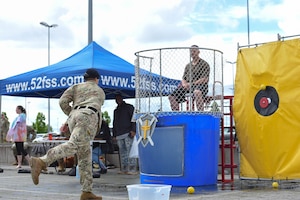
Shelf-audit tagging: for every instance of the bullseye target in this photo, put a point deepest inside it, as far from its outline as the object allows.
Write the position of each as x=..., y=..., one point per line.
x=266, y=101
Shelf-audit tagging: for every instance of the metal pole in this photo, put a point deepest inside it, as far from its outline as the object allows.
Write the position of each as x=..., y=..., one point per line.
x=48, y=65
x=90, y=22
x=48, y=26
x=48, y=45
x=248, y=22
x=232, y=69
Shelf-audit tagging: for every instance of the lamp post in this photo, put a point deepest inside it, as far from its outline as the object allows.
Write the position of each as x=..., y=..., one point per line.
x=232, y=69
x=248, y=25
x=27, y=110
x=48, y=27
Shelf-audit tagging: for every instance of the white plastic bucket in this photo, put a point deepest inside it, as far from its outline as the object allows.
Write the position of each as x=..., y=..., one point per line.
x=148, y=191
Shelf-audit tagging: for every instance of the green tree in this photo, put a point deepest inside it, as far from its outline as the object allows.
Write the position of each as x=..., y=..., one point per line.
x=40, y=125
x=106, y=117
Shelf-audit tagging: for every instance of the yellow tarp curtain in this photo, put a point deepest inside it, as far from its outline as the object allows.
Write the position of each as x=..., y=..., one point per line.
x=266, y=110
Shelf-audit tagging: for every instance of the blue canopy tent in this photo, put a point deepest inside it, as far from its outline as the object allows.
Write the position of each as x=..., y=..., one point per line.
x=50, y=82
x=117, y=75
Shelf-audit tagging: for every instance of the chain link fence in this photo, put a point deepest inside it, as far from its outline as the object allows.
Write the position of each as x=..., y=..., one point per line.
x=159, y=85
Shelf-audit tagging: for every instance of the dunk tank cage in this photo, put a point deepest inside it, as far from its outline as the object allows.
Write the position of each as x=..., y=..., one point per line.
x=177, y=147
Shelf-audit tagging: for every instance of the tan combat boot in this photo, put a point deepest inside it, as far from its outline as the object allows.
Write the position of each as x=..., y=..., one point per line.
x=37, y=165
x=89, y=196
x=61, y=166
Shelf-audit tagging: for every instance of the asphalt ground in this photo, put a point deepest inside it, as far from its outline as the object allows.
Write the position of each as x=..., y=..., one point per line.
x=112, y=186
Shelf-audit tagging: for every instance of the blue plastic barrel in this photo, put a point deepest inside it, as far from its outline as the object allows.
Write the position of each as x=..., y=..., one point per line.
x=185, y=151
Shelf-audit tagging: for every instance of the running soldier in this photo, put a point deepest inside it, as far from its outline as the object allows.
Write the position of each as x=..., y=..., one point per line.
x=84, y=121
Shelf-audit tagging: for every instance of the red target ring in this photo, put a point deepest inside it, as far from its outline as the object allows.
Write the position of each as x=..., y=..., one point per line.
x=266, y=101
x=263, y=102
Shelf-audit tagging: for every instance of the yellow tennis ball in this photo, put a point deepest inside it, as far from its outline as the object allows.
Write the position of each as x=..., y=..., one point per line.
x=263, y=87
x=275, y=184
x=190, y=190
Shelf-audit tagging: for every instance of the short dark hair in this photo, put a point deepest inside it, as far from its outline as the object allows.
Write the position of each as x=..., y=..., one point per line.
x=195, y=46
x=91, y=73
x=118, y=94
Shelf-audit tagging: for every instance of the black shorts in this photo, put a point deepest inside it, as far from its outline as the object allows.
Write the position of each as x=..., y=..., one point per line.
x=180, y=92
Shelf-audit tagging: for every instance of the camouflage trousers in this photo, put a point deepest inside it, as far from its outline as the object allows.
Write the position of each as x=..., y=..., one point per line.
x=127, y=164
x=83, y=126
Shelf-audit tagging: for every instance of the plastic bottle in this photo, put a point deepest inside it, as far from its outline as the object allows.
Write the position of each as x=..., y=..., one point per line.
x=77, y=172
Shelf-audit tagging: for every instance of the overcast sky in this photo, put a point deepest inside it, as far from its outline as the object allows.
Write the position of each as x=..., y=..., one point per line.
x=128, y=26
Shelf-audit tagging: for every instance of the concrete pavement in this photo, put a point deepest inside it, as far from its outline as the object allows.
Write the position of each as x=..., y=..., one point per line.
x=112, y=186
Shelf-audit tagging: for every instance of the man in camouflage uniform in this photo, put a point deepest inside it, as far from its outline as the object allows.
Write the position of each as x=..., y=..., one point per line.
x=4, y=127
x=84, y=122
